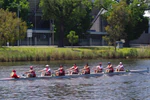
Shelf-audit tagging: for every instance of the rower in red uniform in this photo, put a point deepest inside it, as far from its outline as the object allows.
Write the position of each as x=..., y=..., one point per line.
x=60, y=71
x=14, y=74
x=109, y=68
x=86, y=69
x=74, y=69
x=31, y=72
x=46, y=71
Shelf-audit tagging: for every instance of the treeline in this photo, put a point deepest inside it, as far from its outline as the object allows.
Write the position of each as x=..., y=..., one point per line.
x=124, y=17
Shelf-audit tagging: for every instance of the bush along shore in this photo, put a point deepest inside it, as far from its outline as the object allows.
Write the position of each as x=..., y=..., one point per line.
x=14, y=54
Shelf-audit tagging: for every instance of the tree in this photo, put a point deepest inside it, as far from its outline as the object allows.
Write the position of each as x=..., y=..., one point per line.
x=12, y=28
x=66, y=13
x=72, y=37
x=137, y=24
x=21, y=7
x=117, y=19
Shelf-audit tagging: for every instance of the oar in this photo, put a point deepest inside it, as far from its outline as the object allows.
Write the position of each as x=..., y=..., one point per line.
x=67, y=71
x=23, y=75
x=53, y=72
x=147, y=69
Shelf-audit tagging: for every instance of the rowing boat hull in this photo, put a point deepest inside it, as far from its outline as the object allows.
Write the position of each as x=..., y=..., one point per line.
x=76, y=75
x=52, y=77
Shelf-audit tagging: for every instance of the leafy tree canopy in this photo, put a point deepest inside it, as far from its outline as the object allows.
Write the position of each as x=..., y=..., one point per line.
x=137, y=24
x=117, y=20
x=68, y=14
x=18, y=6
x=72, y=37
x=12, y=28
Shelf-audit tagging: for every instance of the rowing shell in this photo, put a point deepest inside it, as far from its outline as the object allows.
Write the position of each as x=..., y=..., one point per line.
x=129, y=71
x=77, y=75
x=53, y=77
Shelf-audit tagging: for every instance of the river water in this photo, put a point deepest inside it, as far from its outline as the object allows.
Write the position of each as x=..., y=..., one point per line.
x=133, y=86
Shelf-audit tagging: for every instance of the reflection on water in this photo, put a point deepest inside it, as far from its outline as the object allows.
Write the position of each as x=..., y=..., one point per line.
x=118, y=87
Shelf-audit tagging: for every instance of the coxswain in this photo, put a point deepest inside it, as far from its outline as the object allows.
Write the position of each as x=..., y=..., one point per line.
x=86, y=69
x=60, y=71
x=14, y=74
x=109, y=68
x=74, y=69
x=99, y=68
x=31, y=72
x=46, y=71
x=120, y=67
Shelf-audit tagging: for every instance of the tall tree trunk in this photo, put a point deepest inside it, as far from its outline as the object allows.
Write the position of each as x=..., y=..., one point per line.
x=61, y=34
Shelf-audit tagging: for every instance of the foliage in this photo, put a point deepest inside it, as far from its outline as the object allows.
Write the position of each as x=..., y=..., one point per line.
x=72, y=37
x=68, y=14
x=14, y=54
x=105, y=4
x=12, y=28
x=21, y=7
x=117, y=18
x=138, y=23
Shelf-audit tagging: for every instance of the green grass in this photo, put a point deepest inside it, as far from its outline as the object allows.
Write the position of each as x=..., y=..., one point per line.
x=27, y=53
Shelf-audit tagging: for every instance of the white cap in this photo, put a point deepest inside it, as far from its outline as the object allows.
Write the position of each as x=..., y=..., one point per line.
x=47, y=65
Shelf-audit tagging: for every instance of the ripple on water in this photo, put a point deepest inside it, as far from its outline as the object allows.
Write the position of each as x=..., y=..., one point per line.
x=118, y=87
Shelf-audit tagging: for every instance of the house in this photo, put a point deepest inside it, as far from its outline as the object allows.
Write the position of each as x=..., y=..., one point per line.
x=97, y=30
x=42, y=32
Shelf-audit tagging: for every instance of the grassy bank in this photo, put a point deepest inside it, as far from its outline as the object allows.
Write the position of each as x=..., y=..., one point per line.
x=12, y=54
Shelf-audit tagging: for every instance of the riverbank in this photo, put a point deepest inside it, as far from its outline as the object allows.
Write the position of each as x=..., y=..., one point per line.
x=46, y=53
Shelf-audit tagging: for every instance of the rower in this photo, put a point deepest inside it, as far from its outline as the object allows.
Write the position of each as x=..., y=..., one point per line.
x=120, y=67
x=109, y=68
x=31, y=72
x=99, y=68
x=60, y=71
x=74, y=69
x=46, y=71
x=86, y=69
x=14, y=74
